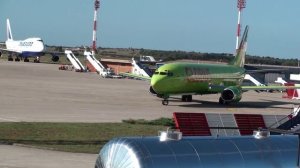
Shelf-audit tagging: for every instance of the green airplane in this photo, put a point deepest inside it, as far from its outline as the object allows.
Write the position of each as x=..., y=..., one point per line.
x=189, y=79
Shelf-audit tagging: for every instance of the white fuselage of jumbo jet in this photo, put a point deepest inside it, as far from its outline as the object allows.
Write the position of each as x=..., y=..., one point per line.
x=23, y=49
x=29, y=45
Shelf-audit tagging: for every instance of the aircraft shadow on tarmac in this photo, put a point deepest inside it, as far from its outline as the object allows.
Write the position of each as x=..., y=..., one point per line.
x=262, y=103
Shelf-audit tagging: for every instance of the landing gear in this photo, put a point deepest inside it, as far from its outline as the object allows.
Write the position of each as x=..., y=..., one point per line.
x=10, y=59
x=17, y=59
x=187, y=98
x=165, y=102
x=37, y=60
x=223, y=102
x=26, y=60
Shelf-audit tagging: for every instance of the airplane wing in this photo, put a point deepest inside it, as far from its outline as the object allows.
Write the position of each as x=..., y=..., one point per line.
x=257, y=88
x=135, y=76
x=7, y=50
x=245, y=88
x=265, y=71
x=55, y=55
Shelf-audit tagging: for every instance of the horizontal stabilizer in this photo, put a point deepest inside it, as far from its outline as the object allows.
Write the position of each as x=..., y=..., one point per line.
x=135, y=76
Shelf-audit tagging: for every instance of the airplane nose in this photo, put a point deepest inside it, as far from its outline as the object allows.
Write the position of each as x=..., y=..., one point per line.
x=156, y=84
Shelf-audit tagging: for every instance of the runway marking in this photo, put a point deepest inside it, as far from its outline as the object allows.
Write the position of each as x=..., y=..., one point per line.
x=6, y=119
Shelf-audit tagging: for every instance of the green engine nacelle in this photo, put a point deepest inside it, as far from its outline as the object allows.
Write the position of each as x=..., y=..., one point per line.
x=232, y=94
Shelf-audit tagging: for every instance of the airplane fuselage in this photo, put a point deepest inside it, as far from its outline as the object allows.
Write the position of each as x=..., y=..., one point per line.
x=30, y=47
x=26, y=48
x=187, y=78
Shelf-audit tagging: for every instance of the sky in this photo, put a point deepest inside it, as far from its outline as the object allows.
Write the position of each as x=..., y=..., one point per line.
x=186, y=25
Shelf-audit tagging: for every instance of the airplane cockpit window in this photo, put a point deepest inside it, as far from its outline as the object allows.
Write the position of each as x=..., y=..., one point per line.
x=163, y=73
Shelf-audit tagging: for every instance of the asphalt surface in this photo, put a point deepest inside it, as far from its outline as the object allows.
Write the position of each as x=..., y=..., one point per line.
x=25, y=157
x=41, y=93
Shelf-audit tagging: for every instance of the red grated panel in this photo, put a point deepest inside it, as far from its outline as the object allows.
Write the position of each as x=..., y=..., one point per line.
x=191, y=124
x=249, y=122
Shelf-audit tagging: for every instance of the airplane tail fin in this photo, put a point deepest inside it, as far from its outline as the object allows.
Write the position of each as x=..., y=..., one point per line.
x=239, y=59
x=8, y=29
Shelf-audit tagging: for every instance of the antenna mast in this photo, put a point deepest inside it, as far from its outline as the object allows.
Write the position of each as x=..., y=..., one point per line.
x=241, y=4
x=97, y=6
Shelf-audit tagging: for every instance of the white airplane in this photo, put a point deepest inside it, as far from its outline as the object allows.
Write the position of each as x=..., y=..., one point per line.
x=23, y=49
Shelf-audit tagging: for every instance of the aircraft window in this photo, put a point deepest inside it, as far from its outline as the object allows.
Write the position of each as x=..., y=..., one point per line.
x=163, y=73
x=156, y=73
x=196, y=71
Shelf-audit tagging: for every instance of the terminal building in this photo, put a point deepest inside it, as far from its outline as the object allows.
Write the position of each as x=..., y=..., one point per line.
x=272, y=72
x=118, y=65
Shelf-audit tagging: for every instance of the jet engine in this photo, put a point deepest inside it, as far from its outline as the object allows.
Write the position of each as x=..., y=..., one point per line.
x=55, y=58
x=231, y=94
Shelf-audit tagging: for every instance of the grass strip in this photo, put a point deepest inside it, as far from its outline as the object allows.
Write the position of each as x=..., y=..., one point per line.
x=72, y=137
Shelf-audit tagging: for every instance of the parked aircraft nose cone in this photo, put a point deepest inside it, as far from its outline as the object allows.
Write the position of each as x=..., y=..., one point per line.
x=157, y=85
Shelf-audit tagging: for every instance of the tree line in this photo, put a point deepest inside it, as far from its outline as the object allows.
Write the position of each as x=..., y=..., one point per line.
x=179, y=55
x=216, y=57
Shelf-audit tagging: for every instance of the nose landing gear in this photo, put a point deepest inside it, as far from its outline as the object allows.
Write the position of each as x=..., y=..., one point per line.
x=165, y=102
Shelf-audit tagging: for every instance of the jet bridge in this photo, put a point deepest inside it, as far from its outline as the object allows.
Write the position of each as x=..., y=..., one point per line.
x=140, y=69
x=104, y=72
x=74, y=61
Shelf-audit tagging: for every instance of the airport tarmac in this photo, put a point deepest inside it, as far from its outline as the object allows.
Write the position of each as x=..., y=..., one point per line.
x=41, y=93
x=23, y=157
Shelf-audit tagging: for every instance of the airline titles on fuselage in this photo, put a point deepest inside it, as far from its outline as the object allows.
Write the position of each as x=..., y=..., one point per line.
x=203, y=75
x=26, y=43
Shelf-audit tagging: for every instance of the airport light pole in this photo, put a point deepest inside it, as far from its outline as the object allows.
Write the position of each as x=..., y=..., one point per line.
x=241, y=4
x=97, y=6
